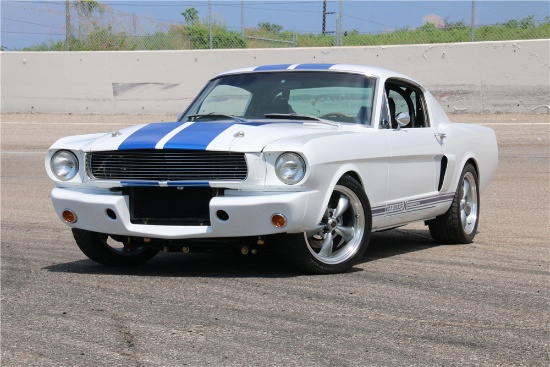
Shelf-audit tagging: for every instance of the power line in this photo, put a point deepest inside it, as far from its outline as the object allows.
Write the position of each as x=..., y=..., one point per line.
x=22, y=21
x=36, y=33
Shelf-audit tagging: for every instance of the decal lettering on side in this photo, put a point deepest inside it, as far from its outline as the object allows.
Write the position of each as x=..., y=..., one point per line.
x=399, y=207
x=411, y=205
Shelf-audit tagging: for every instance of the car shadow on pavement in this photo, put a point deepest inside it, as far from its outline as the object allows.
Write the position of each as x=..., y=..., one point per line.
x=396, y=242
x=266, y=264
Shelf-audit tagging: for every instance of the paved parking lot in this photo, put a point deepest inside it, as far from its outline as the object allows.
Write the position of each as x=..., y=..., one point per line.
x=408, y=302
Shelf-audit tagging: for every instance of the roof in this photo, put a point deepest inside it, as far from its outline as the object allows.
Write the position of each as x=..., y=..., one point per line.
x=364, y=69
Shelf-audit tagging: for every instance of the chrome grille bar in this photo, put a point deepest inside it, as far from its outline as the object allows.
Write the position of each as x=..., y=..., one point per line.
x=166, y=165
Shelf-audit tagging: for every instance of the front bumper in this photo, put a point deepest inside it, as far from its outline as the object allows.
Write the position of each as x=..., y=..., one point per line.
x=249, y=214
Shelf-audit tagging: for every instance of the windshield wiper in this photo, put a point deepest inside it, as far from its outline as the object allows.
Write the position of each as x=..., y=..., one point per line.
x=296, y=116
x=217, y=115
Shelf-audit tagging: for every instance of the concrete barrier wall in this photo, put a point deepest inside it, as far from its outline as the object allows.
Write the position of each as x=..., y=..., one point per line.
x=488, y=77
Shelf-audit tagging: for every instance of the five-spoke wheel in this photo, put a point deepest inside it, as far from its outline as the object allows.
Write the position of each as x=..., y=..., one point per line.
x=459, y=223
x=341, y=237
x=468, y=203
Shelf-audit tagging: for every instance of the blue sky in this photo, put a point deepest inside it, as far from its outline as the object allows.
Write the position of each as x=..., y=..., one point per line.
x=30, y=22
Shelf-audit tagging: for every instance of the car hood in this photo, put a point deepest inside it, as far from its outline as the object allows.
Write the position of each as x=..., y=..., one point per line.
x=218, y=136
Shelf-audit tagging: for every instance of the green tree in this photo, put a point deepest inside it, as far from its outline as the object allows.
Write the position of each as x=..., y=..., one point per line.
x=88, y=7
x=191, y=16
x=270, y=27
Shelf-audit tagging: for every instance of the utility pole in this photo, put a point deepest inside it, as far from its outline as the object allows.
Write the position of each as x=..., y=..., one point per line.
x=473, y=20
x=339, y=32
x=242, y=19
x=134, y=28
x=67, y=26
x=210, y=21
x=323, y=30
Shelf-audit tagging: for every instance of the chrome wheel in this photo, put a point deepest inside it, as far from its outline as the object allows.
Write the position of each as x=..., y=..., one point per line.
x=468, y=203
x=459, y=223
x=340, y=233
x=340, y=240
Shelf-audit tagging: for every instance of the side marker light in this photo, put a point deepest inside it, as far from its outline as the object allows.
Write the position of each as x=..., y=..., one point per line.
x=69, y=216
x=278, y=220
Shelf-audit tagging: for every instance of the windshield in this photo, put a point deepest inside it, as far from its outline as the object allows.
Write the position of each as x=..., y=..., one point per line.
x=335, y=96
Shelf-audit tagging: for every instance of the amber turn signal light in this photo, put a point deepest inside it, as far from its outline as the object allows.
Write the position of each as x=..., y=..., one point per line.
x=278, y=220
x=69, y=216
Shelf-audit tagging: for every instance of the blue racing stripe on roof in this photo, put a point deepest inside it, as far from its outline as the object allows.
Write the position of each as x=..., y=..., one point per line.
x=314, y=66
x=197, y=136
x=148, y=136
x=273, y=67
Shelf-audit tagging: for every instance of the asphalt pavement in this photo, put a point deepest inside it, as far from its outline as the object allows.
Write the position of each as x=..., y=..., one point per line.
x=408, y=303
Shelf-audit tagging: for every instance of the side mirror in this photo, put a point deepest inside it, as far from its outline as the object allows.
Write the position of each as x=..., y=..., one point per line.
x=402, y=119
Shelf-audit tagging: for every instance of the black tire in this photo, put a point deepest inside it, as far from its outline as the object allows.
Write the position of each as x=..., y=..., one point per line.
x=97, y=248
x=306, y=253
x=459, y=224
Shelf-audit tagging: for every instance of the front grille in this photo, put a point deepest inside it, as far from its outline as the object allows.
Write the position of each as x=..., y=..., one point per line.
x=170, y=205
x=166, y=165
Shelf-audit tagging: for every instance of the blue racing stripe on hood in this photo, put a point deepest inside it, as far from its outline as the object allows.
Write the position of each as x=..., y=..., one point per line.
x=148, y=136
x=197, y=136
x=273, y=67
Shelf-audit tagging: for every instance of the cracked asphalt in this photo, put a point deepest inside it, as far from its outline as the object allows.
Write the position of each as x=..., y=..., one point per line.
x=409, y=302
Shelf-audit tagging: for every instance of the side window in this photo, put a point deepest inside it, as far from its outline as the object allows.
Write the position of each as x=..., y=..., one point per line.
x=421, y=113
x=406, y=98
x=398, y=102
x=385, y=122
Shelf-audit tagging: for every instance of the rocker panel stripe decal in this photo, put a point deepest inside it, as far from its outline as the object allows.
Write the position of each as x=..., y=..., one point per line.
x=410, y=205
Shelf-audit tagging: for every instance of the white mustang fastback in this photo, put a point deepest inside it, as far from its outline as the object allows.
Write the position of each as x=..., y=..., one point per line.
x=308, y=158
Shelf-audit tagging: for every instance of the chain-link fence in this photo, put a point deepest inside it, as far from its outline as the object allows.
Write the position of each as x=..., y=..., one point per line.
x=180, y=25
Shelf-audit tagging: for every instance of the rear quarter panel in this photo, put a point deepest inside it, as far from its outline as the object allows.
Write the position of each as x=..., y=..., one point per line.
x=469, y=141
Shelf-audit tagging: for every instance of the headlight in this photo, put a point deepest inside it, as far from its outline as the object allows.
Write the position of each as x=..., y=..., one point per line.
x=290, y=168
x=64, y=165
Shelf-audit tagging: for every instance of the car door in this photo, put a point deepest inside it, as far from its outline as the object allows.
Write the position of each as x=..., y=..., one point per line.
x=416, y=155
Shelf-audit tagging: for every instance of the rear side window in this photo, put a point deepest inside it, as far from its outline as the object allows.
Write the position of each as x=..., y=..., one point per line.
x=403, y=97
